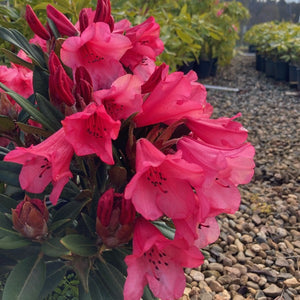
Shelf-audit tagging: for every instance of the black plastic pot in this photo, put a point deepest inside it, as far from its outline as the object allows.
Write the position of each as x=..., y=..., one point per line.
x=270, y=68
x=185, y=68
x=298, y=79
x=258, y=62
x=281, y=71
x=252, y=49
x=293, y=80
x=214, y=67
x=203, y=68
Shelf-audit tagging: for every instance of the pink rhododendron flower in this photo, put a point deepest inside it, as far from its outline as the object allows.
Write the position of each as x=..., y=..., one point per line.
x=177, y=96
x=222, y=132
x=99, y=51
x=195, y=229
x=146, y=43
x=18, y=79
x=91, y=131
x=223, y=170
x=39, y=42
x=144, y=69
x=123, y=98
x=158, y=262
x=162, y=183
x=44, y=163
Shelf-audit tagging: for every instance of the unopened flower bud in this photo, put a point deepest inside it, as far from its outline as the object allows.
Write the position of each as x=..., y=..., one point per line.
x=35, y=24
x=115, y=219
x=62, y=23
x=60, y=84
x=103, y=13
x=30, y=218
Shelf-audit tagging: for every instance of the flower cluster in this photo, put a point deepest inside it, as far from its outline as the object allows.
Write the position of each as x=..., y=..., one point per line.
x=164, y=158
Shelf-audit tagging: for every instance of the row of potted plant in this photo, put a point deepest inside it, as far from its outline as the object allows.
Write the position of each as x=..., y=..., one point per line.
x=277, y=50
x=197, y=35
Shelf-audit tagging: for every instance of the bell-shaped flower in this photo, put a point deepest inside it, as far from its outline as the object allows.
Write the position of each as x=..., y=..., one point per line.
x=99, y=51
x=158, y=262
x=222, y=132
x=123, y=98
x=91, y=132
x=162, y=184
x=195, y=229
x=30, y=218
x=44, y=163
x=175, y=97
x=224, y=169
x=115, y=219
x=146, y=43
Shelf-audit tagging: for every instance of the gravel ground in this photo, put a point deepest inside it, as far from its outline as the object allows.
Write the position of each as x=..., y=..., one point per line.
x=258, y=253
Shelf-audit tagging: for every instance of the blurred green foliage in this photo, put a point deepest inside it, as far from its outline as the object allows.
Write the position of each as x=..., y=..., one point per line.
x=279, y=40
x=189, y=28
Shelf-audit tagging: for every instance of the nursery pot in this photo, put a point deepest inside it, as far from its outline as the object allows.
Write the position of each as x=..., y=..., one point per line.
x=251, y=49
x=270, y=68
x=293, y=81
x=258, y=62
x=281, y=71
x=203, y=68
x=185, y=68
x=214, y=67
x=298, y=79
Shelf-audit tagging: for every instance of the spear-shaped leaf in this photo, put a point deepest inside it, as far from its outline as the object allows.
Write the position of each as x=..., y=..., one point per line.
x=26, y=280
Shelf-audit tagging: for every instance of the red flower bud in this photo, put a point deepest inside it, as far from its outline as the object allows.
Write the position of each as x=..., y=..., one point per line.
x=60, y=84
x=115, y=219
x=83, y=20
x=35, y=24
x=62, y=23
x=103, y=13
x=30, y=218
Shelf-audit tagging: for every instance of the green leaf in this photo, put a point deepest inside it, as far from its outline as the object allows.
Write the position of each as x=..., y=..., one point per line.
x=9, y=173
x=116, y=257
x=112, y=279
x=55, y=272
x=28, y=107
x=6, y=226
x=59, y=225
x=34, y=130
x=7, y=203
x=69, y=211
x=97, y=290
x=12, y=57
x=79, y=244
x=148, y=294
x=26, y=280
x=89, y=222
x=53, y=115
x=13, y=242
x=6, y=124
x=53, y=247
x=167, y=231
x=16, y=38
x=40, y=82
